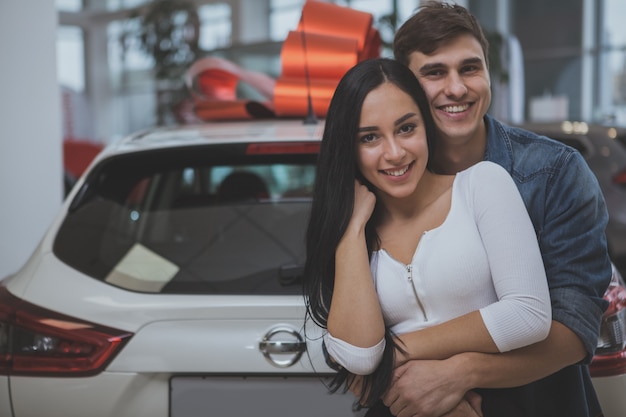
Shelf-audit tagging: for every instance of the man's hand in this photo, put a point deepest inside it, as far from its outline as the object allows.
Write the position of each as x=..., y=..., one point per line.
x=429, y=389
x=470, y=406
x=464, y=409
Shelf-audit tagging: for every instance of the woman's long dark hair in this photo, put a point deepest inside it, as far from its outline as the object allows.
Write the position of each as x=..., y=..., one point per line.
x=333, y=199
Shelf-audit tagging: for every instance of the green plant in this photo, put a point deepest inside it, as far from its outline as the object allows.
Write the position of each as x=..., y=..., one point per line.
x=169, y=33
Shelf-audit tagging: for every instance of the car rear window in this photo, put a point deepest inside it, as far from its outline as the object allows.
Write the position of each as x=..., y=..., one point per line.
x=212, y=220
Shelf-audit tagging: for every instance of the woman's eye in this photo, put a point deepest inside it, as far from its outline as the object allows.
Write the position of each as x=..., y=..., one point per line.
x=408, y=128
x=367, y=138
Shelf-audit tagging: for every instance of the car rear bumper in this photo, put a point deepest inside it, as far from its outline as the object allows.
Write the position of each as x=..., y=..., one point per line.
x=161, y=395
x=611, y=392
x=5, y=402
x=105, y=395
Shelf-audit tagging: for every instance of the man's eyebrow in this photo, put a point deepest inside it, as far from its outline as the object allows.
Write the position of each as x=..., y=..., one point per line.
x=475, y=60
x=438, y=65
x=429, y=67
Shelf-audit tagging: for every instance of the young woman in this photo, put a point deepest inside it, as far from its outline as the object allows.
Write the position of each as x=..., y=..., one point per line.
x=404, y=263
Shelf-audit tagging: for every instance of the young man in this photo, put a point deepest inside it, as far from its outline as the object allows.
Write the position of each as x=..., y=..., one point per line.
x=446, y=49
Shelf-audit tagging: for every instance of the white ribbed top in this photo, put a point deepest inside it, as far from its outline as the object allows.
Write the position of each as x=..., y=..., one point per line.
x=483, y=257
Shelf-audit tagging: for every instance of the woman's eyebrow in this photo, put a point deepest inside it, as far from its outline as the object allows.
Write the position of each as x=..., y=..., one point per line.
x=403, y=118
x=367, y=129
x=396, y=123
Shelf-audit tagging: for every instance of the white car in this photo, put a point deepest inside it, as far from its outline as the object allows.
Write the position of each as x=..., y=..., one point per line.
x=169, y=286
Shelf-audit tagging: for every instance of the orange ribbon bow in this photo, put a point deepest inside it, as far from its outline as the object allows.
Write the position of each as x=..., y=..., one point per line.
x=329, y=40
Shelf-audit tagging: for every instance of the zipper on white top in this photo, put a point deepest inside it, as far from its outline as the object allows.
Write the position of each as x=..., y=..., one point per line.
x=409, y=270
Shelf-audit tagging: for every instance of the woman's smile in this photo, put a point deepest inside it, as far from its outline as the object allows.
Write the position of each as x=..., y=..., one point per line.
x=398, y=172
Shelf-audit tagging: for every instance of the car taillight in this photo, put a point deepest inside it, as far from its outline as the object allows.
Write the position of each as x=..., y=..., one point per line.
x=37, y=341
x=619, y=178
x=282, y=148
x=610, y=358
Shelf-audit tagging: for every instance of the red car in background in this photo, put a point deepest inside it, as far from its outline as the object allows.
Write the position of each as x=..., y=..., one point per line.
x=77, y=155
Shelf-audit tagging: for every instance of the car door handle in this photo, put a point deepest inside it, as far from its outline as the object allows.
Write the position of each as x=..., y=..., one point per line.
x=275, y=343
x=279, y=346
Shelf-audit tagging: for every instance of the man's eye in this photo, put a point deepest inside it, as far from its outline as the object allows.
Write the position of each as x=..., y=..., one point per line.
x=470, y=68
x=434, y=73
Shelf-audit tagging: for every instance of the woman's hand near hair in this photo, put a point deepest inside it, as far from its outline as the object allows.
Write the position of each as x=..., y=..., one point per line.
x=355, y=315
x=364, y=203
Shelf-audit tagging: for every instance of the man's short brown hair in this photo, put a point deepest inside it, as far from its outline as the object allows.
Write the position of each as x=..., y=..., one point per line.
x=432, y=26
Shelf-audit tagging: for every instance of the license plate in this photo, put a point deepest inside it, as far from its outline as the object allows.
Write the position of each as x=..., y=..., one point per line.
x=256, y=396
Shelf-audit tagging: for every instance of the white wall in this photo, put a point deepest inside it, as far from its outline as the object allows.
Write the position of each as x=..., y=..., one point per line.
x=30, y=128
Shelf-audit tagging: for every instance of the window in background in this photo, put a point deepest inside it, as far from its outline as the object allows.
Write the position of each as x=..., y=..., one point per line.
x=69, y=5
x=71, y=57
x=376, y=7
x=382, y=12
x=215, y=26
x=379, y=8
x=612, y=63
x=406, y=8
x=284, y=16
x=123, y=4
x=124, y=51
x=131, y=79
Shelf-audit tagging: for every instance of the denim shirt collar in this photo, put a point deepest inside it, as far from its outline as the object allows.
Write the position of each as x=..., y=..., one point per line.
x=498, y=146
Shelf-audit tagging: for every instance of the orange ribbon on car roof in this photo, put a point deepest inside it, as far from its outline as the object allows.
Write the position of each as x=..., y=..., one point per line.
x=329, y=40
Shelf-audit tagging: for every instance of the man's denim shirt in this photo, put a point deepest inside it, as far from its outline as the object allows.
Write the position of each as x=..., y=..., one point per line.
x=568, y=211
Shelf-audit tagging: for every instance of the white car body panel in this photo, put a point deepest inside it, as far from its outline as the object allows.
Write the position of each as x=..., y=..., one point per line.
x=611, y=392
x=148, y=395
x=5, y=401
x=105, y=395
x=192, y=347
x=241, y=322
